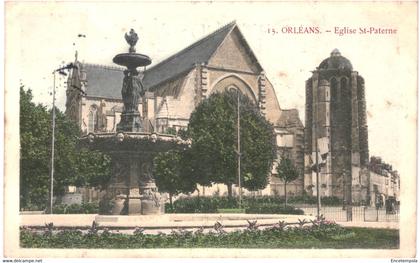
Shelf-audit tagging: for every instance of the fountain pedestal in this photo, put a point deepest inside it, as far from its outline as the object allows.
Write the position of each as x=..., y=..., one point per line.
x=130, y=121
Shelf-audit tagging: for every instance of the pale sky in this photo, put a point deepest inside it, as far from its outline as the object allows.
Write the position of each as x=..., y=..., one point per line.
x=39, y=37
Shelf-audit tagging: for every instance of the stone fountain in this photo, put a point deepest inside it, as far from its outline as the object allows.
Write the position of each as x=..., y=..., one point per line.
x=132, y=189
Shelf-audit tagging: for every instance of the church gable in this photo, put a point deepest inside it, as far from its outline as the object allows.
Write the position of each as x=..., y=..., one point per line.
x=234, y=53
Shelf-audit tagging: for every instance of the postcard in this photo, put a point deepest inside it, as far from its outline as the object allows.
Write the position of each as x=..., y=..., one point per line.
x=211, y=129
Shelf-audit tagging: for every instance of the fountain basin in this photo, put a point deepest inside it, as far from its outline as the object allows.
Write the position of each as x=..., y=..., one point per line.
x=132, y=189
x=132, y=60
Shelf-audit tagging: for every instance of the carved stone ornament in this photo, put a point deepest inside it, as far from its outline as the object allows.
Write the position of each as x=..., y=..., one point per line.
x=120, y=136
x=132, y=39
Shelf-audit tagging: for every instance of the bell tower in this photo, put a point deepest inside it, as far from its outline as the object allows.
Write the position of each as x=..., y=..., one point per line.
x=336, y=128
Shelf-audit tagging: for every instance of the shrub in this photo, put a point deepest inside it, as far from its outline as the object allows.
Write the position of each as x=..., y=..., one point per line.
x=212, y=204
x=194, y=205
x=331, y=200
x=273, y=209
x=84, y=208
x=106, y=204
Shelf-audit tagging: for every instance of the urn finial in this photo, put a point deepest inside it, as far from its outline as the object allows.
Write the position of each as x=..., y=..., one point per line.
x=132, y=39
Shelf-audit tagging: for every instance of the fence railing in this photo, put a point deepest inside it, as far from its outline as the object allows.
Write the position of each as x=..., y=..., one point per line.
x=354, y=213
x=381, y=215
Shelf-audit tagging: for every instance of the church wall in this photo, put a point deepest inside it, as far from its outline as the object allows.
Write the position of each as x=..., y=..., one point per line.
x=177, y=107
x=106, y=121
x=215, y=75
x=272, y=105
x=185, y=103
x=273, y=108
x=233, y=55
x=277, y=187
x=290, y=144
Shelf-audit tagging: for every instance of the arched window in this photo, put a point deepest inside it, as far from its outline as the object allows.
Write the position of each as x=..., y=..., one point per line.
x=344, y=84
x=234, y=82
x=334, y=90
x=92, y=119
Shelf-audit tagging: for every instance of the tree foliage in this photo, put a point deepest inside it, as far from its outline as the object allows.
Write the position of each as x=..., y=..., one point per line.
x=170, y=175
x=287, y=172
x=213, y=130
x=34, y=151
x=71, y=166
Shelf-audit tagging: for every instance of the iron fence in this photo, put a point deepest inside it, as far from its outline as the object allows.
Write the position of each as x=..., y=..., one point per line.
x=372, y=214
x=352, y=213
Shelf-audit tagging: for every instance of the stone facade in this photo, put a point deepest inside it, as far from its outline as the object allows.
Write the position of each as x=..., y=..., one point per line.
x=290, y=143
x=384, y=181
x=176, y=85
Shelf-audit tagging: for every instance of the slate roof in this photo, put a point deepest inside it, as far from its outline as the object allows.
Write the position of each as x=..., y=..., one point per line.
x=106, y=81
x=199, y=52
x=289, y=118
x=336, y=61
x=103, y=81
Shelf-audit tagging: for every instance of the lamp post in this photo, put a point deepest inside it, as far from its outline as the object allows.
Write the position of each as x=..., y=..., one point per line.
x=315, y=131
x=318, y=196
x=60, y=71
x=238, y=150
x=52, y=147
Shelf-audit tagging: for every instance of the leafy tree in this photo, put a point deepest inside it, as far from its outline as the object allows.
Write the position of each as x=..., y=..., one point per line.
x=34, y=151
x=93, y=169
x=213, y=130
x=169, y=176
x=287, y=172
x=71, y=167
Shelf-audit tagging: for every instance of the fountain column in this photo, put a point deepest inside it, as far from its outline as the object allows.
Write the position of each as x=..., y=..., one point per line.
x=132, y=88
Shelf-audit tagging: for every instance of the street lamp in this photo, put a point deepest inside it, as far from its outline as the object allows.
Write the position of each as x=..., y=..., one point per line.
x=318, y=196
x=238, y=150
x=61, y=72
x=315, y=129
x=52, y=147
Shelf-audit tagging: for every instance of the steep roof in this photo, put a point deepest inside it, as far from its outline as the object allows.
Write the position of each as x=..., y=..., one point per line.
x=103, y=81
x=199, y=52
x=289, y=118
x=106, y=81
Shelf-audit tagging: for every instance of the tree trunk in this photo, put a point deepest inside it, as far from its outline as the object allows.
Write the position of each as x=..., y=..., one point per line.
x=170, y=202
x=229, y=186
x=285, y=195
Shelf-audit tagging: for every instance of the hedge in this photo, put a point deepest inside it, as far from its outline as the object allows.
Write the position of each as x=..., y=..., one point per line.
x=267, y=204
x=273, y=209
x=84, y=208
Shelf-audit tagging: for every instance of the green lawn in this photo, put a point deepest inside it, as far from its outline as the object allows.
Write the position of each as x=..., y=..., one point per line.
x=367, y=238
x=231, y=210
x=315, y=237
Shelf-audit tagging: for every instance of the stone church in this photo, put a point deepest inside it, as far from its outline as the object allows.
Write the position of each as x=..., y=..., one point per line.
x=176, y=85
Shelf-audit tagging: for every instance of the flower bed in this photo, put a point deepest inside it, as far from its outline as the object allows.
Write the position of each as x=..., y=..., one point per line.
x=319, y=234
